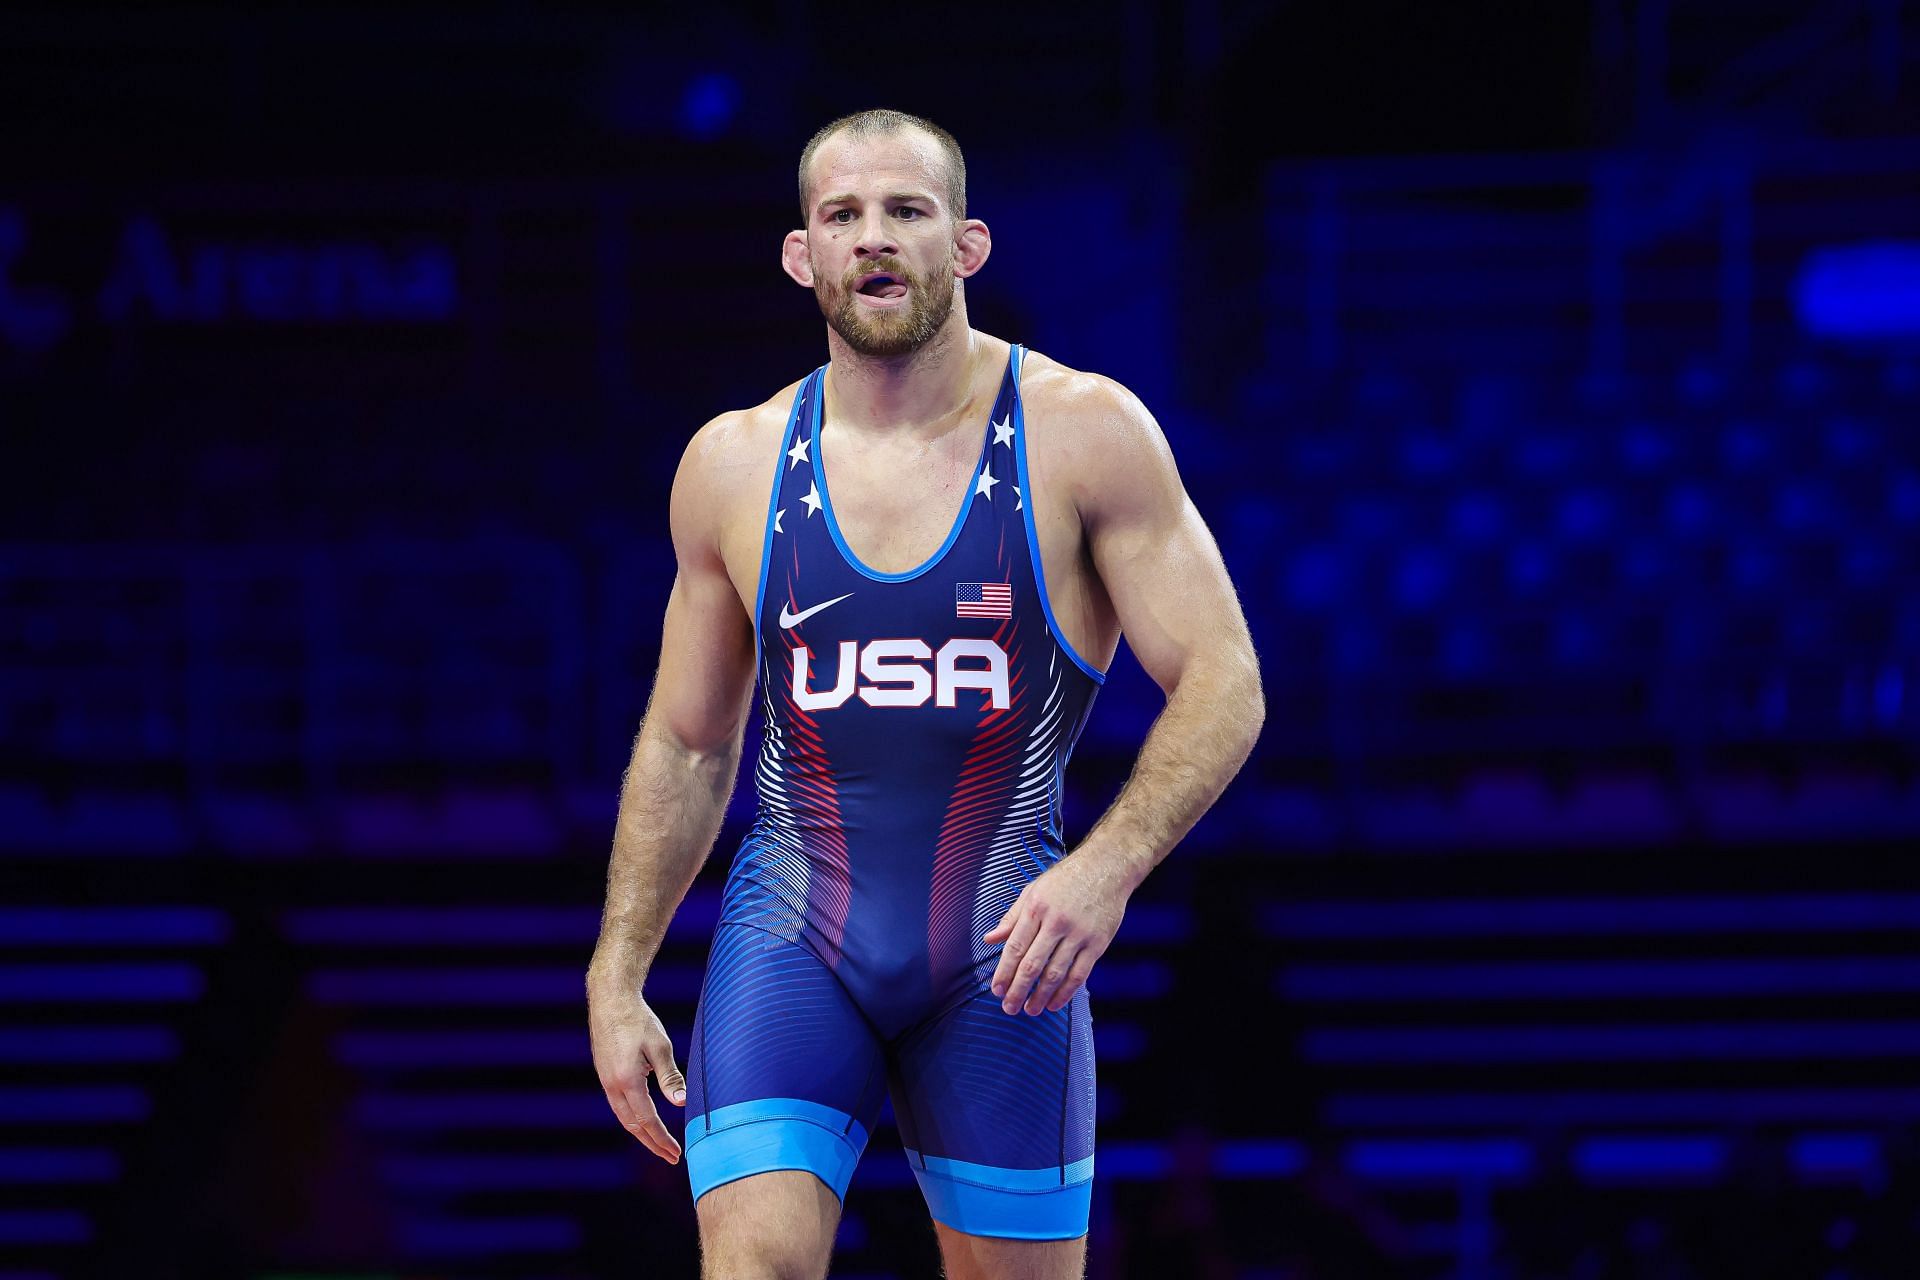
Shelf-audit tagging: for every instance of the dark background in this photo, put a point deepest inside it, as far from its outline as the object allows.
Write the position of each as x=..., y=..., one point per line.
x=1549, y=374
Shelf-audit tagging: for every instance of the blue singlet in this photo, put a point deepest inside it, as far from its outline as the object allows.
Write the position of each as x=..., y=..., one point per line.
x=917, y=728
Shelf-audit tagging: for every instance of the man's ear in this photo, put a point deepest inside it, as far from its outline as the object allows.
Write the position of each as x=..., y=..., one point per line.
x=795, y=260
x=972, y=243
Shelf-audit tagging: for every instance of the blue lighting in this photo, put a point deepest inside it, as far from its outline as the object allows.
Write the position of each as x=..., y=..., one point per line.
x=1118, y=1041
x=1599, y=979
x=477, y=926
x=1621, y=1107
x=101, y=982
x=1837, y=1155
x=709, y=104
x=44, y=1226
x=476, y=1050
x=1549, y=917
x=1150, y=1161
x=1130, y=980
x=1888, y=692
x=119, y=926
x=89, y=1044
x=1678, y=1042
x=19, y=1165
x=1157, y=922
x=1440, y=1158
x=1861, y=291
x=72, y=1104
x=482, y=987
x=1255, y=1158
x=1684, y=1157
x=498, y=1109
x=1132, y=1161
x=442, y=926
x=468, y=1172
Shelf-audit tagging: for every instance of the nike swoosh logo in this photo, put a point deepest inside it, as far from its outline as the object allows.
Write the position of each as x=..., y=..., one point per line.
x=795, y=619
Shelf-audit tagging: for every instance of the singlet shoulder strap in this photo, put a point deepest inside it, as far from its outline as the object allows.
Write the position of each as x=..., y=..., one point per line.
x=795, y=421
x=1033, y=536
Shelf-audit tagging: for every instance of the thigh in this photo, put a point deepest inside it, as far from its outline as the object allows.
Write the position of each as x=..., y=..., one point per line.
x=996, y=1113
x=783, y=1072
x=780, y=1222
x=971, y=1257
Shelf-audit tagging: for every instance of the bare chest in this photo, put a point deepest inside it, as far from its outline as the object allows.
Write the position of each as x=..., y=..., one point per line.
x=895, y=505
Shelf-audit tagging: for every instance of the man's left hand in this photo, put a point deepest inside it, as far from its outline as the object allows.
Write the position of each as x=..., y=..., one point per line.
x=1061, y=923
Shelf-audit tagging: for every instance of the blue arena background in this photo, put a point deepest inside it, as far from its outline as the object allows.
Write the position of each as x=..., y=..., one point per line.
x=1551, y=381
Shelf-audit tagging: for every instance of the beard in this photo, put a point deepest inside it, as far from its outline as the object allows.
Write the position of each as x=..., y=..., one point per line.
x=897, y=331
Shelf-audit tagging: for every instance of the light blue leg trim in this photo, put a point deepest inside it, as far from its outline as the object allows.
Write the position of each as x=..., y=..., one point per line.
x=1015, y=1204
x=773, y=1133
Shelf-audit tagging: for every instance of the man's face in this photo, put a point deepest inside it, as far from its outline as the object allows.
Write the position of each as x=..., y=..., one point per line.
x=880, y=240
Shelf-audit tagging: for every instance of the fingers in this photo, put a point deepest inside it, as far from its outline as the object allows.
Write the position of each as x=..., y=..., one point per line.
x=636, y=1114
x=1053, y=975
x=626, y=1089
x=660, y=1065
x=1019, y=940
x=1076, y=978
x=672, y=1083
x=648, y=1127
x=1031, y=969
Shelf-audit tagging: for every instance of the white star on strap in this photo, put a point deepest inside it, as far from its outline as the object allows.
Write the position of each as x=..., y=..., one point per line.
x=1019, y=505
x=985, y=483
x=812, y=498
x=776, y=520
x=1003, y=431
x=799, y=452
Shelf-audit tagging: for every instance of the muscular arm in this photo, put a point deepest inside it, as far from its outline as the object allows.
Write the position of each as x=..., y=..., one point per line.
x=673, y=795
x=1179, y=613
x=1177, y=608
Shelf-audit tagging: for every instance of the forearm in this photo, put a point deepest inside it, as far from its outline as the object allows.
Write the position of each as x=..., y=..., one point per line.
x=672, y=801
x=1195, y=747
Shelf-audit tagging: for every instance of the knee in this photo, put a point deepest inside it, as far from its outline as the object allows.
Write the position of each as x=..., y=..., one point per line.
x=758, y=1264
x=769, y=1226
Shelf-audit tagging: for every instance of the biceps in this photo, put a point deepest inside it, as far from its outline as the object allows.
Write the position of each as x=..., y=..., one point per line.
x=705, y=678
x=1170, y=591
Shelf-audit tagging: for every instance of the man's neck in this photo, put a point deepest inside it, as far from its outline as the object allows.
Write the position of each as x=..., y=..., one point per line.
x=908, y=393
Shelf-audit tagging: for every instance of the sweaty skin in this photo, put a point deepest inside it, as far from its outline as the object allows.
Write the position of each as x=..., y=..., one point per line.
x=1121, y=545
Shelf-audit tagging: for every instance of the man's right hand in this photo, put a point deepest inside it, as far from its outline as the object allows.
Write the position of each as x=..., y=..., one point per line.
x=629, y=1044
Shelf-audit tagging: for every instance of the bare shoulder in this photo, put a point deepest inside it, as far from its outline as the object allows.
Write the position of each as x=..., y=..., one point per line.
x=735, y=442
x=719, y=502
x=1091, y=430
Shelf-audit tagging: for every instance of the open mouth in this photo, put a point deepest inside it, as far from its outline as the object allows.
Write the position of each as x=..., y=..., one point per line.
x=881, y=287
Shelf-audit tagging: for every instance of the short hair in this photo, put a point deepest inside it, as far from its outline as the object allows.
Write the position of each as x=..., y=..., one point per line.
x=876, y=123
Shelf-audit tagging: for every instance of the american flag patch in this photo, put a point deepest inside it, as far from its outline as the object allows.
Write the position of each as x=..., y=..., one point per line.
x=983, y=600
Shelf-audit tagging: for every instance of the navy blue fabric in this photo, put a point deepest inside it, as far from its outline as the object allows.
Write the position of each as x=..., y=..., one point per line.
x=917, y=728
